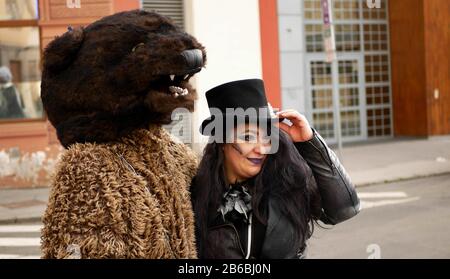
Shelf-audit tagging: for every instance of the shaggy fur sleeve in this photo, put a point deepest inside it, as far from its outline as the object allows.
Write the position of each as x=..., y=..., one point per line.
x=187, y=163
x=186, y=158
x=83, y=218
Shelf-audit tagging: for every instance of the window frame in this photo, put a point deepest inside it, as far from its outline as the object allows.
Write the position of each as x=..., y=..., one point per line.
x=14, y=23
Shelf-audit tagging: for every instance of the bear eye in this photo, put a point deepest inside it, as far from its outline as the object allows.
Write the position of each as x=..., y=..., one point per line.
x=136, y=46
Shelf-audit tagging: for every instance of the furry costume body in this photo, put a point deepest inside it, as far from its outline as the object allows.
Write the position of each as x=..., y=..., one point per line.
x=112, y=210
x=121, y=188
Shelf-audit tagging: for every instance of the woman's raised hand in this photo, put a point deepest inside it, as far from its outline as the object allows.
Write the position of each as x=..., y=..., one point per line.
x=300, y=130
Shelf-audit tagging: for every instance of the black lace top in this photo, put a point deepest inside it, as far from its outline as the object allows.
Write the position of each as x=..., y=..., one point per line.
x=236, y=208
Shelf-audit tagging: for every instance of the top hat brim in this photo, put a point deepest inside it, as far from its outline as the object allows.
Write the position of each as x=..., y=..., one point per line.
x=232, y=117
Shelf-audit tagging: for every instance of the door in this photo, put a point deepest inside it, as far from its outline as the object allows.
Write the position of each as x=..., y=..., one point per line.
x=329, y=83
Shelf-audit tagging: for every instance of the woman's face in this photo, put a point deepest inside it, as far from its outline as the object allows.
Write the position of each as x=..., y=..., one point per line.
x=245, y=156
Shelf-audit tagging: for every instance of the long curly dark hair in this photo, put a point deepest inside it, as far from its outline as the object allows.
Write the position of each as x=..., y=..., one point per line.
x=285, y=178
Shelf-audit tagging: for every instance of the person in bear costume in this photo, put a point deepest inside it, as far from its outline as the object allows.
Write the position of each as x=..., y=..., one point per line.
x=121, y=188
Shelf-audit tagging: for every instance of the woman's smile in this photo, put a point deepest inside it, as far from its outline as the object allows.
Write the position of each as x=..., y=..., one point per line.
x=256, y=161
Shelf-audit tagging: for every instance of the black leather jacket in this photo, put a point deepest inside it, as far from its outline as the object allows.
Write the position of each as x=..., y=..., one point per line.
x=339, y=203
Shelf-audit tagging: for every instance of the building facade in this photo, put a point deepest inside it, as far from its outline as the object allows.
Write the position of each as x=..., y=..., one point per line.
x=391, y=77
x=388, y=79
x=28, y=143
x=360, y=78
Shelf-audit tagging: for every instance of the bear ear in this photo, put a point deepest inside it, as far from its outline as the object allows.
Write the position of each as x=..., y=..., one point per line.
x=62, y=51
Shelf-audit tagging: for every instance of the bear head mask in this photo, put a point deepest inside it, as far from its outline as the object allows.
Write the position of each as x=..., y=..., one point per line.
x=118, y=74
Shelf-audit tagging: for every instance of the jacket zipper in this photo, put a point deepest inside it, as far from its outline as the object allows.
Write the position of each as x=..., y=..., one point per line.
x=249, y=237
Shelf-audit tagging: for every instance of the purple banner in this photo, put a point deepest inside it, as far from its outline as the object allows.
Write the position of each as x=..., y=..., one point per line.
x=328, y=32
x=326, y=12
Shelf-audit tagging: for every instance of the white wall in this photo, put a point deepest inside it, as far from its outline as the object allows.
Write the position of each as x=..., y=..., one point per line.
x=292, y=61
x=229, y=29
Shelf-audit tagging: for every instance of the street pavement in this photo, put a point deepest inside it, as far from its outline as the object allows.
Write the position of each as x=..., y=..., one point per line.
x=20, y=241
x=409, y=219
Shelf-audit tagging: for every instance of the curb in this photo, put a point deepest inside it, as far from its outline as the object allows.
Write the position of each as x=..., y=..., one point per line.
x=381, y=182
x=16, y=220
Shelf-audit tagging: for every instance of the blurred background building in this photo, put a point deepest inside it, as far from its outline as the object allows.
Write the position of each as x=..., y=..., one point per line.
x=392, y=77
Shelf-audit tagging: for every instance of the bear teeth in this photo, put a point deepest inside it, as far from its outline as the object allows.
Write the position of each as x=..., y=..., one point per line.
x=172, y=77
x=176, y=91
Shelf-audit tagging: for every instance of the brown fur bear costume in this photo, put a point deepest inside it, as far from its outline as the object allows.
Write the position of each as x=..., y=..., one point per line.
x=121, y=187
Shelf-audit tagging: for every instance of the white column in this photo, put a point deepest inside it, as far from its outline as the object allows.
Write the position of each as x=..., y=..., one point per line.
x=230, y=31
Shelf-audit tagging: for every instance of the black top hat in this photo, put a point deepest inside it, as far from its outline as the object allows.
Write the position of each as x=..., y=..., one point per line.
x=237, y=99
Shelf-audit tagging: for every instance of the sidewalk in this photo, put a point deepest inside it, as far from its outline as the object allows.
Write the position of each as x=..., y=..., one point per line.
x=394, y=160
x=367, y=164
x=22, y=205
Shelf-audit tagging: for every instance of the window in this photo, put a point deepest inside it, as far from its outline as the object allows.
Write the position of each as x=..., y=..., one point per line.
x=362, y=38
x=18, y=9
x=170, y=8
x=19, y=61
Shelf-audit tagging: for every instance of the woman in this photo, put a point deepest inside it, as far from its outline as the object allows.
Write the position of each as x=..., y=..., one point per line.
x=258, y=190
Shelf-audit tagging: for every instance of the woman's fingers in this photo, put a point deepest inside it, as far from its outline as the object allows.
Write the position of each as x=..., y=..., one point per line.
x=291, y=115
x=285, y=127
x=300, y=129
x=289, y=112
